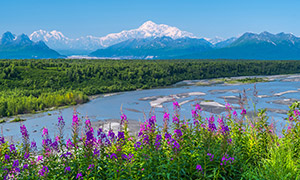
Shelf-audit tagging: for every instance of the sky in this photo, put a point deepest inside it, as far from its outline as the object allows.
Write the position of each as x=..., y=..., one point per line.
x=203, y=18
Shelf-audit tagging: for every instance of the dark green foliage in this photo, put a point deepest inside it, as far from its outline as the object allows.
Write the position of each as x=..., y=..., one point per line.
x=31, y=85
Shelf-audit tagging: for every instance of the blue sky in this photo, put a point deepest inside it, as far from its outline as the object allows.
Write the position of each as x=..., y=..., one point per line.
x=204, y=18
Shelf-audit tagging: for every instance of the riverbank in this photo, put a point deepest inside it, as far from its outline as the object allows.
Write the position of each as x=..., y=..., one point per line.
x=29, y=86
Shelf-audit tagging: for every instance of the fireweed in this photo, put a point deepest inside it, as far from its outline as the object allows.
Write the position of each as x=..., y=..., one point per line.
x=215, y=147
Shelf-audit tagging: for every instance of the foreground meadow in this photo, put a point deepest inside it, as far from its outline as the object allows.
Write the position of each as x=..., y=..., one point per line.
x=233, y=146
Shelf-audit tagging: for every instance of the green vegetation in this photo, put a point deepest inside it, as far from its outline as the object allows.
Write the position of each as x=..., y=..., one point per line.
x=27, y=86
x=245, y=80
x=235, y=147
x=2, y=121
x=17, y=119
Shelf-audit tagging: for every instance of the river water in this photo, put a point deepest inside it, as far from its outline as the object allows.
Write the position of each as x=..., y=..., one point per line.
x=275, y=95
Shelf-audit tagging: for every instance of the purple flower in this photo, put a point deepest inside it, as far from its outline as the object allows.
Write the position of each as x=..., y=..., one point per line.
x=176, y=105
x=111, y=134
x=6, y=156
x=96, y=152
x=211, y=124
x=146, y=139
x=25, y=166
x=228, y=107
x=152, y=122
x=158, y=137
x=12, y=148
x=197, y=107
x=61, y=122
x=75, y=120
x=54, y=145
x=121, y=135
x=113, y=155
x=45, y=132
x=178, y=132
x=67, y=169
x=33, y=145
x=211, y=156
x=176, y=145
x=123, y=119
x=88, y=123
x=103, y=135
x=221, y=122
x=66, y=155
x=198, y=167
x=91, y=166
x=79, y=175
x=166, y=120
x=243, y=112
x=168, y=136
x=2, y=141
x=175, y=120
x=226, y=159
x=44, y=171
x=39, y=158
x=166, y=116
x=296, y=112
x=124, y=156
x=24, y=132
x=26, y=155
x=225, y=130
x=99, y=132
x=138, y=145
x=157, y=145
x=89, y=138
x=69, y=144
x=234, y=113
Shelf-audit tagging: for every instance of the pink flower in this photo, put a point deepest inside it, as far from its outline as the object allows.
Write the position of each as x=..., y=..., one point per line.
x=56, y=138
x=39, y=158
x=45, y=131
x=234, y=113
x=176, y=105
x=243, y=112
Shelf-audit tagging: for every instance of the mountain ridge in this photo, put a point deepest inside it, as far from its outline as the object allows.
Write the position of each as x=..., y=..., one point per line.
x=248, y=46
x=57, y=40
x=21, y=47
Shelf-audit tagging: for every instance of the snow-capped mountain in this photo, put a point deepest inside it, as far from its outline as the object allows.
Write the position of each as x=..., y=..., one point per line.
x=56, y=40
x=215, y=40
x=20, y=47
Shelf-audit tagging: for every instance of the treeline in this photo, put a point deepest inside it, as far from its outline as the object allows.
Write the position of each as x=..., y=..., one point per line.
x=31, y=85
x=18, y=102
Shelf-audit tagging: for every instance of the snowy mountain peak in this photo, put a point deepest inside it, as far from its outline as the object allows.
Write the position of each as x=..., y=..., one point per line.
x=56, y=40
x=215, y=40
x=151, y=29
x=42, y=35
x=147, y=25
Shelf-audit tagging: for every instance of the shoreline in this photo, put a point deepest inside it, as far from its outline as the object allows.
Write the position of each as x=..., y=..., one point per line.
x=207, y=82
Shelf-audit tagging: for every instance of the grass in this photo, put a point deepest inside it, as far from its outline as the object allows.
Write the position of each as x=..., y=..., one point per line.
x=17, y=119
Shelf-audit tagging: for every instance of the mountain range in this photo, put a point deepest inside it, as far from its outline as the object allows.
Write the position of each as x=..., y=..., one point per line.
x=20, y=47
x=152, y=41
x=56, y=40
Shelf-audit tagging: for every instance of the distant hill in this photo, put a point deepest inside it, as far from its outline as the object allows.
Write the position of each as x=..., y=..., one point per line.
x=154, y=48
x=264, y=46
x=21, y=47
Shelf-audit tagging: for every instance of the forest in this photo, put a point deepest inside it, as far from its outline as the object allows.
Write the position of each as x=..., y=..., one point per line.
x=31, y=85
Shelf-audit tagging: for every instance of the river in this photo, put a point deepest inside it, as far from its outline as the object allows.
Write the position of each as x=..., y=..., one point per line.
x=275, y=95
